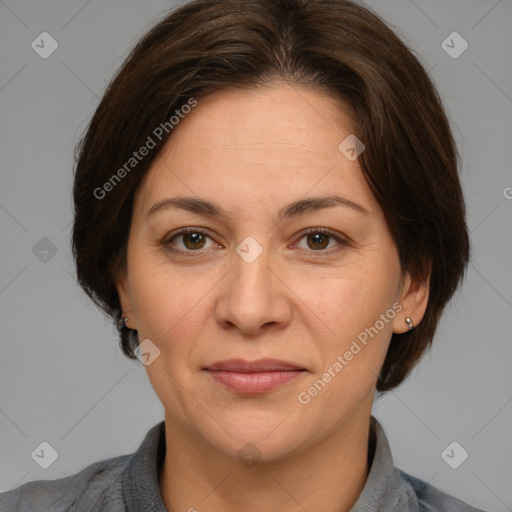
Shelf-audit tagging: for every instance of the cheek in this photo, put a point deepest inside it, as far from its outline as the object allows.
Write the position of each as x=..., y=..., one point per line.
x=351, y=298
x=170, y=303
x=350, y=338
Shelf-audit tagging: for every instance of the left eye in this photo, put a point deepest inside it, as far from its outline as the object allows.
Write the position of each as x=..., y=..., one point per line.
x=319, y=240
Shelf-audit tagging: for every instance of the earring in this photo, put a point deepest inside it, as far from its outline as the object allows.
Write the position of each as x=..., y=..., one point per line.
x=409, y=322
x=125, y=320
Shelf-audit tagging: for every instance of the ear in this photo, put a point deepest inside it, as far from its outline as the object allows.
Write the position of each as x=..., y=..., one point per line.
x=123, y=291
x=414, y=299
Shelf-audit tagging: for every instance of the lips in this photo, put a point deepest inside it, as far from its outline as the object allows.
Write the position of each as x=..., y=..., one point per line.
x=260, y=365
x=254, y=377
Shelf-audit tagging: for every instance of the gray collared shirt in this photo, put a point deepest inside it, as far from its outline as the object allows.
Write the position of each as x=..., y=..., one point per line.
x=129, y=483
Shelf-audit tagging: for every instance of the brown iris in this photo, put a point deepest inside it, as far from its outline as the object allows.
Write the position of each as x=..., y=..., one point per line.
x=196, y=240
x=319, y=238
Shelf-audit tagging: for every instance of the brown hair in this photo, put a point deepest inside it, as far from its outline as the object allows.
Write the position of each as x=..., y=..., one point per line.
x=410, y=162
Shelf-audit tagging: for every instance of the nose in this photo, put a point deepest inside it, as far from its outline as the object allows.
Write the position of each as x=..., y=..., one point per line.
x=253, y=296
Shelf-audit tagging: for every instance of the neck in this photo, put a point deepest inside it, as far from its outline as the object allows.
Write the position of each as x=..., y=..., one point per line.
x=328, y=475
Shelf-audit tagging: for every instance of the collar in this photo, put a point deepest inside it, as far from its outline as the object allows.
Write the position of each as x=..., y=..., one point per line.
x=385, y=489
x=139, y=481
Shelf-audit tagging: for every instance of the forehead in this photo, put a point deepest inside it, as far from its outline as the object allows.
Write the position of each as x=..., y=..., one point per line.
x=275, y=143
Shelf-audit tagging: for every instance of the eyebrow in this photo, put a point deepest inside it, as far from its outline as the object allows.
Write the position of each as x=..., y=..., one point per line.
x=300, y=207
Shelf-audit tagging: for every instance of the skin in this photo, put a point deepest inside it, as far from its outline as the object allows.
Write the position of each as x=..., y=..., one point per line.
x=253, y=152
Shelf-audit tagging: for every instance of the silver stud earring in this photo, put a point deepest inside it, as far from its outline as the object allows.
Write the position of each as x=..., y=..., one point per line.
x=125, y=320
x=409, y=322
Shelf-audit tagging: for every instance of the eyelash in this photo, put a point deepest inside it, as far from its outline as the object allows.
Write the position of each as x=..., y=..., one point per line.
x=166, y=242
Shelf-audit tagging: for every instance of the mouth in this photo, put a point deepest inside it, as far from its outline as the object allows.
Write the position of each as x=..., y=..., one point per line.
x=253, y=377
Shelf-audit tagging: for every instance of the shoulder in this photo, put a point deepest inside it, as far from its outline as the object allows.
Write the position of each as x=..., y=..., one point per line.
x=86, y=488
x=431, y=499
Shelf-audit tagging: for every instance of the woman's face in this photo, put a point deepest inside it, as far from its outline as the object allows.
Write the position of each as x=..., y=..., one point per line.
x=252, y=283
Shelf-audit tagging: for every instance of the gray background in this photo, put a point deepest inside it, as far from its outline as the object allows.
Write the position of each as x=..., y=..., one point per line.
x=62, y=377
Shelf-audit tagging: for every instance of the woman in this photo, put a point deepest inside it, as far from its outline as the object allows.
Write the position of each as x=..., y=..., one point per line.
x=267, y=203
